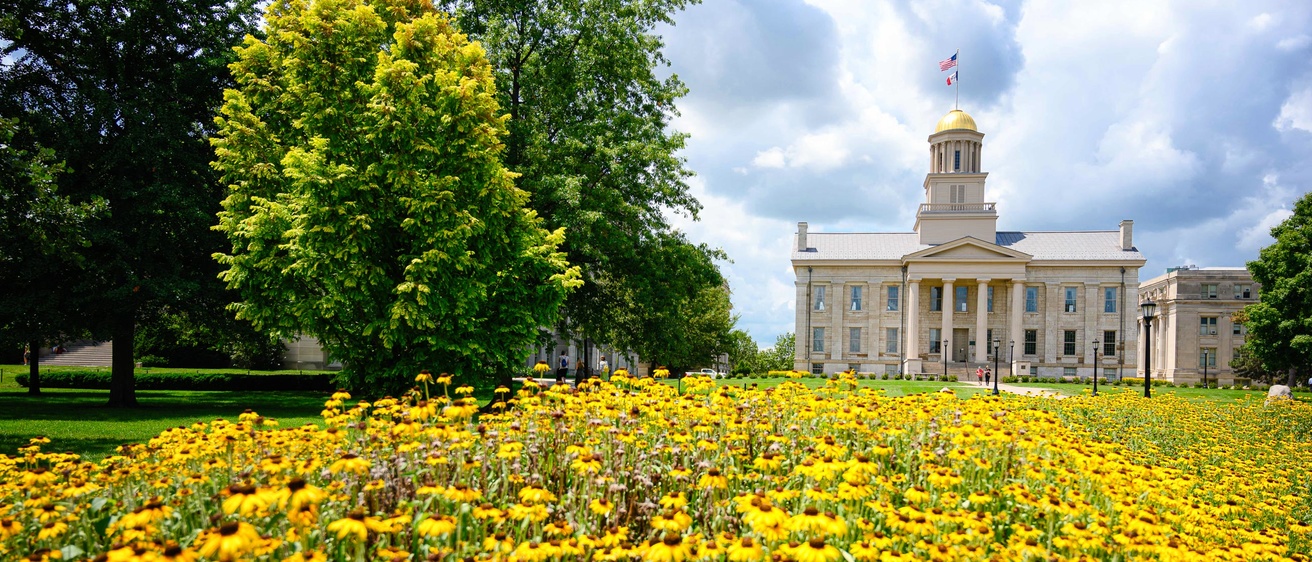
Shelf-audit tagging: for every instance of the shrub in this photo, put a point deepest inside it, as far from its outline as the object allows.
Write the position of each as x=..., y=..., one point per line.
x=99, y=379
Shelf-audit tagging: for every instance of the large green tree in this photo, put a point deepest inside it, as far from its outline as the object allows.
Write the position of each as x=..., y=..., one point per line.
x=590, y=133
x=368, y=205
x=124, y=92
x=1280, y=323
x=42, y=239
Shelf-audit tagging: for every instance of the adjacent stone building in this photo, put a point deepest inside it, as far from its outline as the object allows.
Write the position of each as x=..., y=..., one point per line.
x=933, y=299
x=1192, y=333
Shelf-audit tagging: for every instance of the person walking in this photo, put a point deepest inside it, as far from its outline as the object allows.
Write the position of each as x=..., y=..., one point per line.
x=562, y=368
x=603, y=367
x=979, y=374
x=988, y=374
x=27, y=354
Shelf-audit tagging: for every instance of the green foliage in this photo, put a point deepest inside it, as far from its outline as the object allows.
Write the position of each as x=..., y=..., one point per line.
x=1280, y=323
x=203, y=380
x=590, y=132
x=367, y=203
x=780, y=357
x=181, y=339
x=124, y=92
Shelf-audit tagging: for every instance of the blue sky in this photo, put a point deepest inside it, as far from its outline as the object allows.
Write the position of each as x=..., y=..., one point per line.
x=1193, y=119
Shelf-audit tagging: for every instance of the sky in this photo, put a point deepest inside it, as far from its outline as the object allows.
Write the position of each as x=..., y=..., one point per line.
x=1193, y=119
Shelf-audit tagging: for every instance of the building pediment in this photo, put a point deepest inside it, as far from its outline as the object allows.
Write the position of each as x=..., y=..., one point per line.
x=968, y=249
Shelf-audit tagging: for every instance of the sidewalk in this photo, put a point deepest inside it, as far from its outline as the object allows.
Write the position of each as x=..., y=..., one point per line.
x=1023, y=390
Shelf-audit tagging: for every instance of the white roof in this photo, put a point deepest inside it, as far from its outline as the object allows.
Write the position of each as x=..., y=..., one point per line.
x=1086, y=245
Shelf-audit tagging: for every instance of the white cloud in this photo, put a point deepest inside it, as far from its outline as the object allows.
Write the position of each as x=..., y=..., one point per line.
x=1296, y=112
x=1294, y=43
x=771, y=158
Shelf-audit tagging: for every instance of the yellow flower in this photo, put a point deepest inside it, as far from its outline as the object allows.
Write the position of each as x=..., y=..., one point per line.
x=349, y=463
x=601, y=506
x=437, y=525
x=244, y=499
x=746, y=550
x=815, y=550
x=713, y=479
x=298, y=495
x=424, y=377
x=230, y=541
x=461, y=493
x=358, y=525
x=52, y=529
x=671, y=548
x=533, y=493
x=674, y=500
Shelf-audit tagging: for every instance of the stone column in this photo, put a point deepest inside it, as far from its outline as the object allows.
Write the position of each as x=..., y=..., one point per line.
x=838, y=294
x=1056, y=307
x=982, y=322
x=911, y=301
x=945, y=333
x=1018, y=314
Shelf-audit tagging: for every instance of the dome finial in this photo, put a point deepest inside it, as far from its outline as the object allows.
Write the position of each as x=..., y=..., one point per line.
x=956, y=119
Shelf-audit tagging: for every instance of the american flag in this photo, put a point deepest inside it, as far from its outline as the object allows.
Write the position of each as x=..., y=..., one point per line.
x=948, y=62
x=952, y=78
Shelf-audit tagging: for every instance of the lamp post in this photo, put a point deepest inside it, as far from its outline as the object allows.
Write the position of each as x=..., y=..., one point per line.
x=943, y=350
x=1095, y=367
x=1205, y=368
x=1149, y=312
x=997, y=343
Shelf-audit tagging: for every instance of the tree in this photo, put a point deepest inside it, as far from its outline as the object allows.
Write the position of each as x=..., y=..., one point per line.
x=590, y=133
x=742, y=352
x=125, y=91
x=780, y=357
x=1280, y=323
x=42, y=236
x=367, y=203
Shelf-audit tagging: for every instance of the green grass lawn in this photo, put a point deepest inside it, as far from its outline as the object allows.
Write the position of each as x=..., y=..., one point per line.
x=891, y=387
x=1191, y=394
x=78, y=420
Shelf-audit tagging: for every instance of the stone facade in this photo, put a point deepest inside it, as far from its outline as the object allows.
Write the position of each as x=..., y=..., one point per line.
x=886, y=302
x=1192, y=333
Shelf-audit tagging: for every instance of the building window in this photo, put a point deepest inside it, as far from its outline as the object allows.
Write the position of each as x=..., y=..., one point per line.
x=1068, y=342
x=1070, y=299
x=1109, y=342
x=890, y=369
x=854, y=367
x=1069, y=372
x=935, y=299
x=1109, y=299
x=935, y=343
x=956, y=160
x=818, y=339
x=1209, y=290
x=817, y=368
x=1034, y=371
x=1031, y=299
x=962, y=297
x=1109, y=373
x=1243, y=291
x=820, y=298
x=1031, y=342
x=1207, y=326
x=890, y=343
x=988, y=340
x=990, y=299
x=856, y=297
x=892, y=298
x=957, y=193
x=854, y=340
x=1207, y=357
x=1238, y=329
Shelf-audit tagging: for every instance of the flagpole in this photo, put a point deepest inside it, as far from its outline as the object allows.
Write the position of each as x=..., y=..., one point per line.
x=958, y=73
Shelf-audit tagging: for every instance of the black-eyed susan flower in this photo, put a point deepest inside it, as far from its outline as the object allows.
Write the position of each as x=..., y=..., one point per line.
x=437, y=526
x=231, y=541
x=816, y=550
x=349, y=463
x=670, y=548
x=746, y=550
x=601, y=506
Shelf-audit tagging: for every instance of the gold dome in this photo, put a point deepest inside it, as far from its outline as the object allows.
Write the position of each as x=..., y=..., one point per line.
x=956, y=119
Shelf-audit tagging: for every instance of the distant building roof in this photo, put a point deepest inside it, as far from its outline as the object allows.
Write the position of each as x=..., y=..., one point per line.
x=1087, y=245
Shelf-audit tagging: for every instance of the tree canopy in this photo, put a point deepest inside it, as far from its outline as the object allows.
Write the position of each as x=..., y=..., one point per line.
x=124, y=92
x=590, y=133
x=367, y=203
x=1280, y=323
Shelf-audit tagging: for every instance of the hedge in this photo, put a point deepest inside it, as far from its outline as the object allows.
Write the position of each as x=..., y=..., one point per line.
x=188, y=381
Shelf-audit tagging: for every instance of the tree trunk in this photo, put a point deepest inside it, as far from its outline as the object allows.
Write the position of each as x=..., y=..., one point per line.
x=1293, y=377
x=33, y=368
x=122, y=382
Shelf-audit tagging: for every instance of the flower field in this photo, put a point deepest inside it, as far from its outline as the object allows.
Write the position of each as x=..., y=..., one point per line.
x=631, y=469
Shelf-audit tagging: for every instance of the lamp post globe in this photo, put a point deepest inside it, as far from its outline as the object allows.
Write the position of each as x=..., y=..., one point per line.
x=1149, y=309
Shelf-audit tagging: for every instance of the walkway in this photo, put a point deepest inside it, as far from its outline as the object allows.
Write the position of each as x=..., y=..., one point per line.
x=1024, y=390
